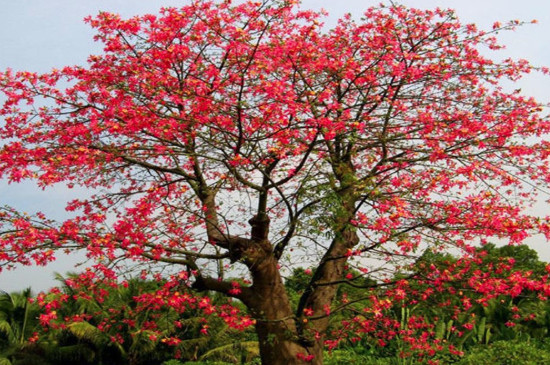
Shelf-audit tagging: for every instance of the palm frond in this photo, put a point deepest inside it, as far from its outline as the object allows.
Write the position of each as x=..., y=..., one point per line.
x=7, y=329
x=233, y=352
x=143, y=342
x=72, y=353
x=87, y=331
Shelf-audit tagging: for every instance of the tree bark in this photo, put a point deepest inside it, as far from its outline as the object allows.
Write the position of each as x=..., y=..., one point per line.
x=279, y=340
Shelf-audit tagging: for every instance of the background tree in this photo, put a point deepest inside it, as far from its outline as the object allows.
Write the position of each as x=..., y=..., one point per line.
x=246, y=137
x=122, y=326
x=19, y=329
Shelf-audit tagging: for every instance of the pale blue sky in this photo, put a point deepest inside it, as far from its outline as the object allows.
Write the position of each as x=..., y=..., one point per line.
x=38, y=35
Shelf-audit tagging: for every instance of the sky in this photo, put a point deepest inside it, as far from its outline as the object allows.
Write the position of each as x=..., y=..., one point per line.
x=38, y=35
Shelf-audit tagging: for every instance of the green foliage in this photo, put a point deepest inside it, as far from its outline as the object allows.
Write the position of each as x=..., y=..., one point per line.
x=491, y=340
x=17, y=317
x=173, y=362
x=235, y=353
x=444, y=329
x=298, y=281
x=526, y=259
x=506, y=353
x=18, y=323
x=348, y=356
x=200, y=363
x=143, y=346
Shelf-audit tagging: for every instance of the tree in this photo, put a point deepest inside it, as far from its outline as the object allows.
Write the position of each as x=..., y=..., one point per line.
x=223, y=138
x=111, y=328
x=18, y=328
x=120, y=327
x=466, y=311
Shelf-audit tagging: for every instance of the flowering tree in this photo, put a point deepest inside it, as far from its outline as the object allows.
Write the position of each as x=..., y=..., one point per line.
x=222, y=140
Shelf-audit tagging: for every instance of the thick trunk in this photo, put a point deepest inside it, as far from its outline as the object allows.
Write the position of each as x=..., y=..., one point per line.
x=287, y=339
x=279, y=346
x=276, y=328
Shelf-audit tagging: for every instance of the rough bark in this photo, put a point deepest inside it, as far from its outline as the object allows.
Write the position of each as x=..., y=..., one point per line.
x=275, y=321
x=278, y=334
x=321, y=291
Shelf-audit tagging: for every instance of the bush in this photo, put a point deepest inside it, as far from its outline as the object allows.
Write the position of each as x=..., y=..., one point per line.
x=172, y=362
x=506, y=353
x=350, y=357
x=178, y=362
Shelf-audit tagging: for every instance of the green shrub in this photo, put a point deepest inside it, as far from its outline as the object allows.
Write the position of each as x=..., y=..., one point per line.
x=172, y=362
x=350, y=357
x=506, y=353
x=177, y=362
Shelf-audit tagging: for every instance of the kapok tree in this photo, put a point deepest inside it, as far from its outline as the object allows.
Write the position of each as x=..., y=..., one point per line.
x=221, y=140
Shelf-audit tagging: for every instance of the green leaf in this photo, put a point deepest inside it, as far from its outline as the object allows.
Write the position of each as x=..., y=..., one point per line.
x=481, y=329
x=440, y=329
x=228, y=352
x=449, y=329
x=86, y=331
x=6, y=329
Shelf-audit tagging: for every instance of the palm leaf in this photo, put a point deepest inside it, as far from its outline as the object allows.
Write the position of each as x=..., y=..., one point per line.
x=7, y=329
x=249, y=349
x=87, y=331
x=72, y=353
x=142, y=341
x=193, y=343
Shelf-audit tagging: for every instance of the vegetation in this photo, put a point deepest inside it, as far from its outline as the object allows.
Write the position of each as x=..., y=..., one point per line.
x=503, y=330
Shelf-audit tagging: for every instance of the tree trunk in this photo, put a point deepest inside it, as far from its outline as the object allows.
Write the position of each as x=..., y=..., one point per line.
x=276, y=327
x=279, y=346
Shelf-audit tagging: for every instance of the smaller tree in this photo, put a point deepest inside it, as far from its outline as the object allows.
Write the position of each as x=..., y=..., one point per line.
x=19, y=328
x=101, y=322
